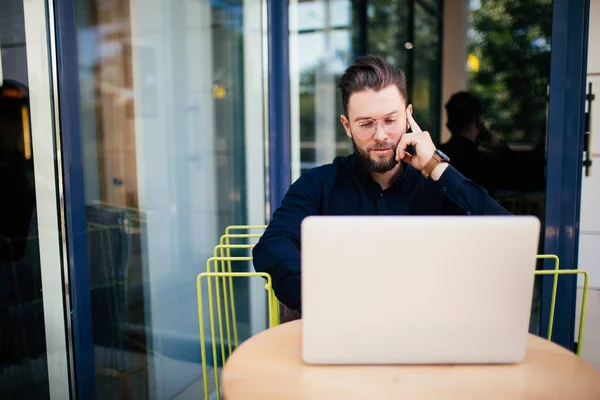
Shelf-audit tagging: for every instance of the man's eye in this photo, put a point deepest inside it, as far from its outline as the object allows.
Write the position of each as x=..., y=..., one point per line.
x=390, y=121
x=365, y=124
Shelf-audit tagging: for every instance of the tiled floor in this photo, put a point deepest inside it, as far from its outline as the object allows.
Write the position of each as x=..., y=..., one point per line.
x=195, y=391
x=591, y=329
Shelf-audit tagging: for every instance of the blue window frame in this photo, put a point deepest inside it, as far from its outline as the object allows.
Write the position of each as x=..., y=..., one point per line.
x=279, y=102
x=74, y=198
x=565, y=156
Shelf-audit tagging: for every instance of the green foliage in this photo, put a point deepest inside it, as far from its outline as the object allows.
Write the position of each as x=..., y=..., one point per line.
x=511, y=39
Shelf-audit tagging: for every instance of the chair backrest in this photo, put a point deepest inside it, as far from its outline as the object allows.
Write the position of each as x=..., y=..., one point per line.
x=219, y=293
x=219, y=274
x=223, y=250
x=236, y=238
x=226, y=238
x=556, y=272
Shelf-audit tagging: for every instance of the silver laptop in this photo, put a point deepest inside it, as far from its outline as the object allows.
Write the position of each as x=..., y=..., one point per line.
x=417, y=290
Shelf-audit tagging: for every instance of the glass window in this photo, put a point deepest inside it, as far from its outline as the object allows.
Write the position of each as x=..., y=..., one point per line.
x=318, y=57
x=509, y=66
x=172, y=122
x=510, y=79
x=388, y=30
x=311, y=14
x=325, y=41
x=508, y=71
x=317, y=88
x=426, y=68
x=342, y=13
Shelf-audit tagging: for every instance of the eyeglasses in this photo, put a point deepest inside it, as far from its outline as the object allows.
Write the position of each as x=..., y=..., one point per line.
x=365, y=128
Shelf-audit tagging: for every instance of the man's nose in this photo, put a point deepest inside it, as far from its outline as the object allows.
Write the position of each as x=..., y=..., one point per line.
x=380, y=133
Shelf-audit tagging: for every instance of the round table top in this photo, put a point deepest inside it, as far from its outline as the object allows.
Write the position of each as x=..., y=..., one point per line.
x=269, y=366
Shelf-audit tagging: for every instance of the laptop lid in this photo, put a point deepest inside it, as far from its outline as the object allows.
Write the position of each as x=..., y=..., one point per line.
x=417, y=290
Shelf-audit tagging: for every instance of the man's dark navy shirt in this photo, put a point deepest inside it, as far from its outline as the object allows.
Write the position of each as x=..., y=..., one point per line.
x=346, y=187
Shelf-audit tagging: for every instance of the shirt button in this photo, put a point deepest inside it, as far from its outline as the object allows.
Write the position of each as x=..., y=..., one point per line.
x=381, y=194
x=444, y=189
x=468, y=212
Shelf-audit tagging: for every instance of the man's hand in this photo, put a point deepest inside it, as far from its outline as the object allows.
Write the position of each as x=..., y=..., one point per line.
x=487, y=138
x=421, y=141
x=423, y=145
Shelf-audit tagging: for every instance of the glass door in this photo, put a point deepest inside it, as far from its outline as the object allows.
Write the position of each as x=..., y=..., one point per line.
x=172, y=143
x=33, y=329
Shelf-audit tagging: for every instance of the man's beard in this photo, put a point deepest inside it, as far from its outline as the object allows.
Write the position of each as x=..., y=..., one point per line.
x=379, y=166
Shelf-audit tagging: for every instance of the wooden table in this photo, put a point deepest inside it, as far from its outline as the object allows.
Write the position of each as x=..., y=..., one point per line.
x=269, y=366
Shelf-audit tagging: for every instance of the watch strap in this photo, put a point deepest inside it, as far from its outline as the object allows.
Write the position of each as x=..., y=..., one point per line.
x=430, y=165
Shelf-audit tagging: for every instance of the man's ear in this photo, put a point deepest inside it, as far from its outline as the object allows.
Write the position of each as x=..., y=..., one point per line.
x=409, y=109
x=346, y=125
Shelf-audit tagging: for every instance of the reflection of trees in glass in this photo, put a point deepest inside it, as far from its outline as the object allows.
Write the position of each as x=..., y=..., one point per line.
x=307, y=112
x=386, y=25
x=511, y=41
x=426, y=70
x=388, y=30
x=308, y=117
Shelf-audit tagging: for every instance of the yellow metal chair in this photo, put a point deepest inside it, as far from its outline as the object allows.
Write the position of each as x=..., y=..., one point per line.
x=223, y=250
x=242, y=228
x=224, y=247
x=228, y=235
x=220, y=293
x=556, y=272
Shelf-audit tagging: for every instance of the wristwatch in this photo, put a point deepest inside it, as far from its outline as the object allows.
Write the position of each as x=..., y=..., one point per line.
x=438, y=158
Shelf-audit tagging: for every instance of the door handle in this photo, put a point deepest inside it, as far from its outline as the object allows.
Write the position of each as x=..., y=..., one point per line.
x=587, y=137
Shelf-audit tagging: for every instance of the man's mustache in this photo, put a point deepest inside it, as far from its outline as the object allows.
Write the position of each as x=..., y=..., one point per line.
x=382, y=146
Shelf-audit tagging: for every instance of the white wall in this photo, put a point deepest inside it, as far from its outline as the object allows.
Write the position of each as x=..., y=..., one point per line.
x=589, y=229
x=594, y=35
x=454, y=76
x=589, y=234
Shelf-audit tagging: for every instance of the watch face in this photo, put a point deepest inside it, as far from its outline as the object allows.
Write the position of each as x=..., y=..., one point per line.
x=442, y=156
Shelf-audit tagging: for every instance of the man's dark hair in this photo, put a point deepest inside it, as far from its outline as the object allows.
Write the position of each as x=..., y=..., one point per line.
x=370, y=72
x=462, y=109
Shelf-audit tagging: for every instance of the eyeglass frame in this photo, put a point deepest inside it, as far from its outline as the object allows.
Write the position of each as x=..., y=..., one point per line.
x=377, y=120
